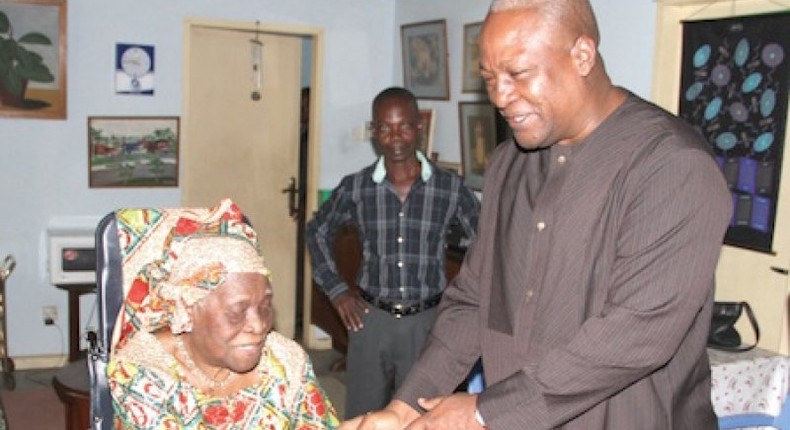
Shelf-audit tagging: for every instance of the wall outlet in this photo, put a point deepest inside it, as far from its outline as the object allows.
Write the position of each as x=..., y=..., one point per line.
x=50, y=314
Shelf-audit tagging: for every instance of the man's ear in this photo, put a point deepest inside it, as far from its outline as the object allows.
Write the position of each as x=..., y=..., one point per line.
x=584, y=54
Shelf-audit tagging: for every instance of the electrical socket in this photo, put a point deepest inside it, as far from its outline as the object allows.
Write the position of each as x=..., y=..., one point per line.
x=50, y=314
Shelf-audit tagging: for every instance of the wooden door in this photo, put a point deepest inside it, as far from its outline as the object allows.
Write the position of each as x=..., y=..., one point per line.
x=243, y=148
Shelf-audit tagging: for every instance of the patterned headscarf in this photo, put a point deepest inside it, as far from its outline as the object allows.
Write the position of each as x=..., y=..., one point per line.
x=197, y=256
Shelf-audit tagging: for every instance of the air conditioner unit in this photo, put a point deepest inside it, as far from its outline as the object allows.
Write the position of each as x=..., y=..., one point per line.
x=72, y=256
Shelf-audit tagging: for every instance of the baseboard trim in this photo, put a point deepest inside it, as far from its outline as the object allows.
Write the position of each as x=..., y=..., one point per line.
x=39, y=361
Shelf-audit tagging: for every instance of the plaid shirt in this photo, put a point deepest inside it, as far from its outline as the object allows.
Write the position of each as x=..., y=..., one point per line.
x=403, y=243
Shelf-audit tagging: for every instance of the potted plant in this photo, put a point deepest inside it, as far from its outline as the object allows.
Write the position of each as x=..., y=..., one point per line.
x=19, y=65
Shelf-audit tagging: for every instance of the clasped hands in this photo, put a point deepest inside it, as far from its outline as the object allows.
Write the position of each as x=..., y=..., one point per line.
x=454, y=412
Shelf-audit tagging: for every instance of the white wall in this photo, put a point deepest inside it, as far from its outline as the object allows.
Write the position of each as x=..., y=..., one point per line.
x=43, y=163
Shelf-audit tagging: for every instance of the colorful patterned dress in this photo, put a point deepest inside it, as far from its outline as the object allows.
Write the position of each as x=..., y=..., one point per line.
x=149, y=392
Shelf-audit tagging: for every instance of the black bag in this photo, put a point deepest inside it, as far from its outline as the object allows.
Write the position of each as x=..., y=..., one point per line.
x=723, y=335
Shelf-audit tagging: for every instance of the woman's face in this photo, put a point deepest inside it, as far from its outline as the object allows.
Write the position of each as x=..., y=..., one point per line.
x=230, y=325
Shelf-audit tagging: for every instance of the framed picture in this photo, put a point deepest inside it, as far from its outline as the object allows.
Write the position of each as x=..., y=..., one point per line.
x=33, y=59
x=478, y=139
x=427, y=118
x=424, y=47
x=133, y=151
x=134, y=69
x=472, y=82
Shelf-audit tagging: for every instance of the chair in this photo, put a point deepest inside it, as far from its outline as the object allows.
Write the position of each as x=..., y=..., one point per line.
x=109, y=298
x=125, y=240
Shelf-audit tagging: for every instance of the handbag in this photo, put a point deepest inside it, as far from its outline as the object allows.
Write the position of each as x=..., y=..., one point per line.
x=723, y=335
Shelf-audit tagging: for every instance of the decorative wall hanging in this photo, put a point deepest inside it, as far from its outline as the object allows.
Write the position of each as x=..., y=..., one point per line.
x=734, y=89
x=133, y=151
x=424, y=47
x=471, y=81
x=478, y=139
x=427, y=119
x=134, y=69
x=33, y=58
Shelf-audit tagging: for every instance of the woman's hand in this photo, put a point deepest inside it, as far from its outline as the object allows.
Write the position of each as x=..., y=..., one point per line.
x=350, y=307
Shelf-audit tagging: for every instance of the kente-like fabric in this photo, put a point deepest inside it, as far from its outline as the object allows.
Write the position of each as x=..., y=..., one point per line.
x=150, y=392
x=151, y=241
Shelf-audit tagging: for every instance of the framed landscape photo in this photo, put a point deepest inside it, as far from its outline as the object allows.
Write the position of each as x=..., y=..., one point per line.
x=427, y=118
x=33, y=59
x=478, y=139
x=472, y=82
x=133, y=151
x=424, y=47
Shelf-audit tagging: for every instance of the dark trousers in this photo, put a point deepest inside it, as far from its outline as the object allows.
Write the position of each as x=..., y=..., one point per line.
x=380, y=355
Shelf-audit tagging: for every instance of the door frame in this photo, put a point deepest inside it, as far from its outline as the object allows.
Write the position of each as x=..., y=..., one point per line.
x=309, y=338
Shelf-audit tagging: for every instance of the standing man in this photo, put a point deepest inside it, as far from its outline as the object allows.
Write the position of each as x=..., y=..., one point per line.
x=402, y=207
x=589, y=289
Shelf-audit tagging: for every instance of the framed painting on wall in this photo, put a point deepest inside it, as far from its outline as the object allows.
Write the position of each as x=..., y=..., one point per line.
x=134, y=69
x=424, y=46
x=427, y=118
x=133, y=151
x=478, y=139
x=33, y=59
x=472, y=82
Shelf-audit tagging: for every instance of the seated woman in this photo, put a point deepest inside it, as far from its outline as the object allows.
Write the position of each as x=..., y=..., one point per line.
x=204, y=356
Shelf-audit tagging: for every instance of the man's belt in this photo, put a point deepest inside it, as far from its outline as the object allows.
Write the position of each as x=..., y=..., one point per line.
x=400, y=309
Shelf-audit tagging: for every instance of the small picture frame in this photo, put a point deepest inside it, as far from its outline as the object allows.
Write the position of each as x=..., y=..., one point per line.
x=478, y=139
x=425, y=71
x=33, y=59
x=134, y=69
x=427, y=118
x=471, y=81
x=133, y=151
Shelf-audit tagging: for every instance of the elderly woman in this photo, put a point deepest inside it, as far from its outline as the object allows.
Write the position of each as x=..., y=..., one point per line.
x=204, y=356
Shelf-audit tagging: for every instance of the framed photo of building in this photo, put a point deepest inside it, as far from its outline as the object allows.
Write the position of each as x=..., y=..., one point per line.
x=133, y=151
x=33, y=59
x=424, y=48
x=478, y=128
x=471, y=81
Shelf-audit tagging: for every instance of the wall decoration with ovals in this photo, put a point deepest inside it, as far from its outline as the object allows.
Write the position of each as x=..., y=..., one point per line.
x=734, y=91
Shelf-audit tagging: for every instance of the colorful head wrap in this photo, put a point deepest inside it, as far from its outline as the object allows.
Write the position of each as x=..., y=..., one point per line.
x=197, y=255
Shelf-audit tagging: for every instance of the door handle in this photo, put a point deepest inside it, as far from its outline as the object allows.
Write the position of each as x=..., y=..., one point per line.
x=293, y=197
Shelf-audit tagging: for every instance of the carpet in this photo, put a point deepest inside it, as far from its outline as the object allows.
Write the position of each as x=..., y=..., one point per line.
x=33, y=409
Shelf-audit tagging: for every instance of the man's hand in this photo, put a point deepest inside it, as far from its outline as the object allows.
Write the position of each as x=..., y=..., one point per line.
x=453, y=412
x=396, y=416
x=350, y=307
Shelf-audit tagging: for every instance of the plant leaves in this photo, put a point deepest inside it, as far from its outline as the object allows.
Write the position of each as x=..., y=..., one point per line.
x=5, y=25
x=13, y=82
x=35, y=39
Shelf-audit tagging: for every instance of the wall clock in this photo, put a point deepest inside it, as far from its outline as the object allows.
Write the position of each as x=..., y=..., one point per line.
x=134, y=69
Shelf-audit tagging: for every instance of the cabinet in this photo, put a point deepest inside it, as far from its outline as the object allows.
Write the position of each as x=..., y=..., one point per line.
x=348, y=254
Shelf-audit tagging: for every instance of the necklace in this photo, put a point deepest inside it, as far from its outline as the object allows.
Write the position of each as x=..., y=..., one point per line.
x=205, y=380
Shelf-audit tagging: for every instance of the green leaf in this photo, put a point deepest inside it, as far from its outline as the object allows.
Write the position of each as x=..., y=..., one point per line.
x=14, y=83
x=5, y=25
x=36, y=72
x=35, y=39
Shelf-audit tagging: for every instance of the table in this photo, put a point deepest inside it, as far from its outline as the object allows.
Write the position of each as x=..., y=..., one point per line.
x=72, y=385
x=750, y=389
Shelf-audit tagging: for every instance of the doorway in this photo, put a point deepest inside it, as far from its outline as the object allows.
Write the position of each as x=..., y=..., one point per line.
x=241, y=139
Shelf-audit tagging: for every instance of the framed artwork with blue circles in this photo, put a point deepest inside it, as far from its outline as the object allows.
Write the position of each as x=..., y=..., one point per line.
x=734, y=91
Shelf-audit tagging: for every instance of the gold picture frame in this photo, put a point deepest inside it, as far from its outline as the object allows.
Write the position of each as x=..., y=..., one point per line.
x=33, y=80
x=478, y=130
x=427, y=119
x=471, y=81
x=425, y=70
